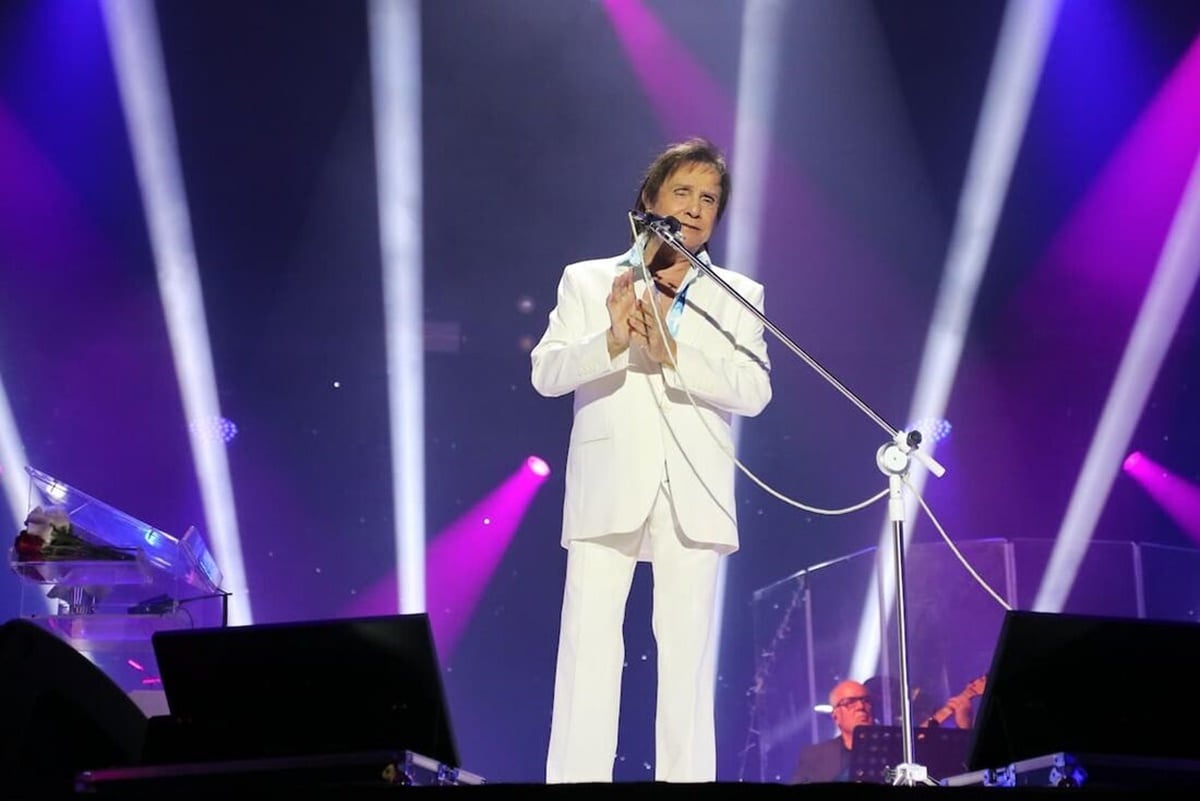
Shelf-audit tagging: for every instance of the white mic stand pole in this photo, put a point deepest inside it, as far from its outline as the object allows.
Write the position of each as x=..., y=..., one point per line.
x=893, y=458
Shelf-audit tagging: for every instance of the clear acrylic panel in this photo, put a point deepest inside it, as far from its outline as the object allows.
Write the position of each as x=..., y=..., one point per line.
x=806, y=626
x=1170, y=586
x=187, y=559
x=108, y=608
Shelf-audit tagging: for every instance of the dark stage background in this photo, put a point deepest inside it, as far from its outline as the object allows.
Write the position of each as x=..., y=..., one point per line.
x=536, y=124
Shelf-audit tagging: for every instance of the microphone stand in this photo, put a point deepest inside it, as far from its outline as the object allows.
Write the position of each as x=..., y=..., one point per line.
x=893, y=458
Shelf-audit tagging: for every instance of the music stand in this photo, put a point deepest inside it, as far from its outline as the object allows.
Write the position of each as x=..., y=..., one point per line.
x=878, y=750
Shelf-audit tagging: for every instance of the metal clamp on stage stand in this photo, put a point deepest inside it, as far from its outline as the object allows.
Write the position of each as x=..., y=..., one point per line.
x=418, y=770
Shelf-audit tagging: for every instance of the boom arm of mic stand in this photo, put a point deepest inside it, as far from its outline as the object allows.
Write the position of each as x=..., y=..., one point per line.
x=906, y=441
x=893, y=458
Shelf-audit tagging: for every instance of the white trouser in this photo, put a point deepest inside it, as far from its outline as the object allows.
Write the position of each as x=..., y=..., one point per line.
x=591, y=653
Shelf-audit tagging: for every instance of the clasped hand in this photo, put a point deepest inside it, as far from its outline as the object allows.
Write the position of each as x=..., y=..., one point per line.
x=633, y=320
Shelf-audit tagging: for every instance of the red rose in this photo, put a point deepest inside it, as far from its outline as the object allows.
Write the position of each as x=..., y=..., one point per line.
x=28, y=547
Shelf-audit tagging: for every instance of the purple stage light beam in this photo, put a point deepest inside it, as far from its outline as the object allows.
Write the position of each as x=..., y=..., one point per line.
x=1163, y=151
x=684, y=96
x=462, y=559
x=1179, y=498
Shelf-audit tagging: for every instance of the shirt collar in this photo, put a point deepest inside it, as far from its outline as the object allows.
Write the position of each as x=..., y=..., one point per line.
x=633, y=258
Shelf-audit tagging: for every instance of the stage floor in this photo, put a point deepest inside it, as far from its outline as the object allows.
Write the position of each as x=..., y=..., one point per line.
x=622, y=791
x=376, y=772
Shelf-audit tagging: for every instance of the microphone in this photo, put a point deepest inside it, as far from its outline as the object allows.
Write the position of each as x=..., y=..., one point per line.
x=650, y=219
x=643, y=223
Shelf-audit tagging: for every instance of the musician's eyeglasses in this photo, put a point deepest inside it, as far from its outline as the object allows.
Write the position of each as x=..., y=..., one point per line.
x=846, y=703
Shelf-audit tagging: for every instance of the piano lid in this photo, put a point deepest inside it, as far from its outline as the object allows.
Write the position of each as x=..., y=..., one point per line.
x=186, y=558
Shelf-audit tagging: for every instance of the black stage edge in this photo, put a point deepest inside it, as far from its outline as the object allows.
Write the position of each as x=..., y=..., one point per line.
x=622, y=791
x=378, y=773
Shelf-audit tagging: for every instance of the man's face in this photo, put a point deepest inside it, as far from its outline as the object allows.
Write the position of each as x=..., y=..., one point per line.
x=690, y=194
x=851, y=706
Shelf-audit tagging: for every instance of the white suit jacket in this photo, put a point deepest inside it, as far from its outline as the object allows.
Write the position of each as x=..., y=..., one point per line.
x=633, y=417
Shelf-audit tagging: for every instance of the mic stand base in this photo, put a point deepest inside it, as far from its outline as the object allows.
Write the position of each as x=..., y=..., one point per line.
x=909, y=775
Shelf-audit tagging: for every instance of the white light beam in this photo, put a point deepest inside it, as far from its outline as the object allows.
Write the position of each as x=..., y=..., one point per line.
x=133, y=36
x=1170, y=289
x=1020, y=52
x=395, y=30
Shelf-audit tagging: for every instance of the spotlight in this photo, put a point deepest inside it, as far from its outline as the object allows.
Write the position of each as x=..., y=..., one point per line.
x=217, y=428
x=1132, y=461
x=538, y=466
x=228, y=430
x=933, y=429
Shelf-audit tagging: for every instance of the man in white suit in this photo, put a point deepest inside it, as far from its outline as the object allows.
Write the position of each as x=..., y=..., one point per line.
x=658, y=368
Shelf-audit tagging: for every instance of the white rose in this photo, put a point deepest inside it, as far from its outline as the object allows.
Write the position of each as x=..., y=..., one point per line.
x=42, y=522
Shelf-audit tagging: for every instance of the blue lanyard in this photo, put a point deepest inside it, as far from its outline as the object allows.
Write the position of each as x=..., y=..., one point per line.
x=676, y=310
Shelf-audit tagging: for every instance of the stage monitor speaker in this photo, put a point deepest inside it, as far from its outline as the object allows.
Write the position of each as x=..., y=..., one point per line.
x=317, y=687
x=1088, y=685
x=61, y=714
